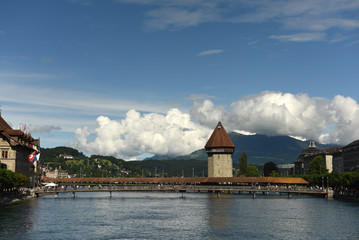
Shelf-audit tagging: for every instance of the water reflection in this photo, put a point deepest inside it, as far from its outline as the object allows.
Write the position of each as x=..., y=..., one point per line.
x=168, y=216
x=17, y=219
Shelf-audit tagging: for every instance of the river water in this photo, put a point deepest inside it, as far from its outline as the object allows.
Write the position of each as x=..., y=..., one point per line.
x=170, y=216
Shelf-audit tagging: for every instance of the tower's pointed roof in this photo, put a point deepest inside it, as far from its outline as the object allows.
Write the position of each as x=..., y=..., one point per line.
x=219, y=138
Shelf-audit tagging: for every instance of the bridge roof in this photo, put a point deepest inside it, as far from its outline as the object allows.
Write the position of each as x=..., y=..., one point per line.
x=199, y=180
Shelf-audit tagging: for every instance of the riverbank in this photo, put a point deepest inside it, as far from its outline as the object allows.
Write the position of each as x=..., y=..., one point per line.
x=9, y=198
x=346, y=198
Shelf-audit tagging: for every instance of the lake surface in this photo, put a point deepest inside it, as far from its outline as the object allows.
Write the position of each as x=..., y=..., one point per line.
x=168, y=216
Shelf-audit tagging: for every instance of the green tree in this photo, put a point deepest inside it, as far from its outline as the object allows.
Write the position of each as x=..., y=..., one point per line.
x=270, y=168
x=243, y=164
x=252, y=171
x=317, y=165
x=10, y=180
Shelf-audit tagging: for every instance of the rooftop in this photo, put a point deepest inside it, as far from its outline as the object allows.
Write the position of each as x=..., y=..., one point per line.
x=219, y=138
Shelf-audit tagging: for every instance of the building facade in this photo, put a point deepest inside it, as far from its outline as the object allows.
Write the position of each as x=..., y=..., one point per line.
x=301, y=165
x=219, y=150
x=57, y=174
x=350, y=157
x=337, y=159
x=15, y=148
x=331, y=158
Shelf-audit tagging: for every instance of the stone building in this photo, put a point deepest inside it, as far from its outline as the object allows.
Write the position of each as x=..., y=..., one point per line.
x=331, y=158
x=301, y=165
x=57, y=174
x=350, y=156
x=15, y=148
x=219, y=149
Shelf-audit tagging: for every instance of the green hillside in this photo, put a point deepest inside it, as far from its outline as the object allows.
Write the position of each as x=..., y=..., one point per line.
x=259, y=149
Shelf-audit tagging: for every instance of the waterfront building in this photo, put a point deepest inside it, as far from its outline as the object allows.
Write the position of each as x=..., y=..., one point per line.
x=350, y=157
x=219, y=150
x=15, y=148
x=333, y=159
x=301, y=165
x=338, y=166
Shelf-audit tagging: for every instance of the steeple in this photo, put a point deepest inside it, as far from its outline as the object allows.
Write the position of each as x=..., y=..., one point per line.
x=312, y=143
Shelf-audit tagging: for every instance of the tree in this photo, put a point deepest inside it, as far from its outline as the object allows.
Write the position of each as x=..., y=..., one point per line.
x=252, y=171
x=243, y=164
x=269, y=168
x=10, y=180
x=317, y=165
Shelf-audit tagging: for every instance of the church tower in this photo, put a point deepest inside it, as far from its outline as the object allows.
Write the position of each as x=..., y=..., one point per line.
x=219, y=150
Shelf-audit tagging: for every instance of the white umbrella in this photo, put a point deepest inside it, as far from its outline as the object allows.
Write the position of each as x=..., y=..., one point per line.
x=51, y=184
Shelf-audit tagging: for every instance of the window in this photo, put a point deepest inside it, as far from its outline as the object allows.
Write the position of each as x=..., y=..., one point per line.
x=4, y=154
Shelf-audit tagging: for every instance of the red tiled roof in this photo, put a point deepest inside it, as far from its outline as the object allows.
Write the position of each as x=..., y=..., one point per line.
x=4, y=124
x=219, y=138
x=275, y=180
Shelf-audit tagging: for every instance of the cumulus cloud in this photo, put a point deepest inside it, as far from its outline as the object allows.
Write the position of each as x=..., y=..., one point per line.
x=270, y=113
x=207, y=114
x=172, y=133
x=276, y=113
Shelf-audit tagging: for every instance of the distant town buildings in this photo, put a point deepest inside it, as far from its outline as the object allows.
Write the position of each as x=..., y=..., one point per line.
x=57, y=173
x=66, y=156
x=219, y=149
x=337, y=159
x=15, y=148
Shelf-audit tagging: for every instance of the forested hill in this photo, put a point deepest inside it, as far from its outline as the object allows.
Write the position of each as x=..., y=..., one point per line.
x=109, y=166
x=259, y=149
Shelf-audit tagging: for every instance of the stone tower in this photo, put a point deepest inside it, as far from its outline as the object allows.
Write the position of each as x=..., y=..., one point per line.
x=219, y=150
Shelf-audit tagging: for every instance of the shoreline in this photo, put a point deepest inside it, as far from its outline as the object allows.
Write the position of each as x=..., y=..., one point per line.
x=8, y=201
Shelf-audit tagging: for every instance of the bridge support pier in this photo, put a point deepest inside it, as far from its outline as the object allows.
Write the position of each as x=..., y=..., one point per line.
x=110, y=194
x=73, y=193
x=289, y=195
x=218, y=194
x=182, y=195
x=254, y=194
x=330, y=194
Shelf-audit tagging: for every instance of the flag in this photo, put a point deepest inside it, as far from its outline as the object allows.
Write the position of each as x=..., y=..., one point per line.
x=31, y=156
x=37, y=157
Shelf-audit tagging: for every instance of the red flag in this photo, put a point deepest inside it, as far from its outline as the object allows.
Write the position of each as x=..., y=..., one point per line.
x=31, y=156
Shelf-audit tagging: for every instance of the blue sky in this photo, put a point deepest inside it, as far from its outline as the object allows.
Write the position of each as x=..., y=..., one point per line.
x=128, y=78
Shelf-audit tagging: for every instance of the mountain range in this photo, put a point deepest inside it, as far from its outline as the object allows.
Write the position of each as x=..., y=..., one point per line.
x=259, y=149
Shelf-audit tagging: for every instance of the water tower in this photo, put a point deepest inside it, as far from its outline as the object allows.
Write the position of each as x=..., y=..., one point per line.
x=219, y=150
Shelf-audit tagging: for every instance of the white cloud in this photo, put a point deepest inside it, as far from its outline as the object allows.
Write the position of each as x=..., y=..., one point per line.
x=270, y=113
x=173, y=133
x=300, y=37
x=276, y=113
x=207, y=114
x=42, y=128
x=72, y=100
x=210, y=52
x=308, y=15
